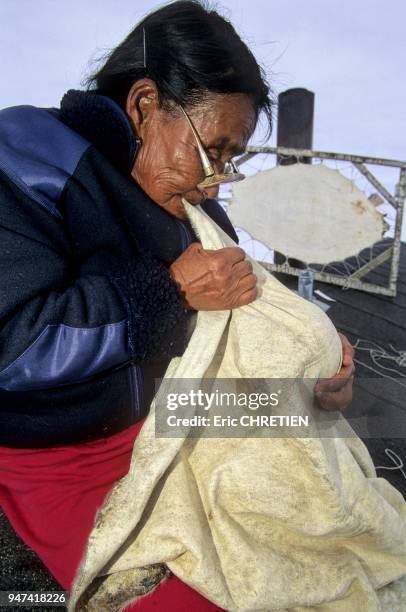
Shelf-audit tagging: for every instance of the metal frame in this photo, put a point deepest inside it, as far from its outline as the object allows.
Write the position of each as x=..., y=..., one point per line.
x=396, y=200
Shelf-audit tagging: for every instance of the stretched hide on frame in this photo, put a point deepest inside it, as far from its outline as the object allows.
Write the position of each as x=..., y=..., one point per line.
x=278, y=524
x=310, y=212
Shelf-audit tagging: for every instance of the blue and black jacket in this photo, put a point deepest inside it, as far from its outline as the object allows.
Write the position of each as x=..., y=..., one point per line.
x=89, y=314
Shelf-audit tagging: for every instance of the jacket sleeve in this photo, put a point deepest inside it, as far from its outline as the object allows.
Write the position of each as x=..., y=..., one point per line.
x=60, y=324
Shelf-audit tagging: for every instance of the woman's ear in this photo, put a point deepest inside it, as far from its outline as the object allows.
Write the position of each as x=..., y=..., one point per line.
x=141, y=104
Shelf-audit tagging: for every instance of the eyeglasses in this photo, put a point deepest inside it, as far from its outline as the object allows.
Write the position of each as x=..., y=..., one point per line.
x=230, y=173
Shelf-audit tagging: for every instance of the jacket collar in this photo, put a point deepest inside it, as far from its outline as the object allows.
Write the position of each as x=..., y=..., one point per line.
x=106, y=126
x=103, y=123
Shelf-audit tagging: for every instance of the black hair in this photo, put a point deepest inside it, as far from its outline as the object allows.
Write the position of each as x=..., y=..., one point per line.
x=190, y=50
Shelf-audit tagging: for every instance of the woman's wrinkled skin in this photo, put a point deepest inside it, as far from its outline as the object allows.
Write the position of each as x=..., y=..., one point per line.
x=168, y=167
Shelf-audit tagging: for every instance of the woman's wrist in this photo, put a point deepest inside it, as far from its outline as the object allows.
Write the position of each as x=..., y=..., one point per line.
x=180, y=282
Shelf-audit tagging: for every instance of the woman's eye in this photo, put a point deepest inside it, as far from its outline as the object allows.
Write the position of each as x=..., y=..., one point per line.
x=214, y=154
x=217, y=162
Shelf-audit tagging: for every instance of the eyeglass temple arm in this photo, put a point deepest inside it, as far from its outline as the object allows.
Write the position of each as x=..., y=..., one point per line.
x=208, y=168
x=234, y=166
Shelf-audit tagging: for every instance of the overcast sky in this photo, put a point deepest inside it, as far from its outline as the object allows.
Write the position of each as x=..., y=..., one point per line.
x=351, y=53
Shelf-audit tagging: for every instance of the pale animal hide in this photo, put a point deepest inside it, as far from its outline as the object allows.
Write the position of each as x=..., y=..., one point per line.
x=276, y=524
x=309, y=212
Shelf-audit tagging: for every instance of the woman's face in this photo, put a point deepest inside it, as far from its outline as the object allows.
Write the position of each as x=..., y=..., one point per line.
x=168, y=166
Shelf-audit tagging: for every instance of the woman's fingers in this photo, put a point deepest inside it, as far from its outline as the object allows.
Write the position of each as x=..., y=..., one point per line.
x=242, y=268
x=336, y=393
x=247, y=297
x=225, y=256
x=214, y=279
x=336, y=400
x=347, y=348
x=337, y=382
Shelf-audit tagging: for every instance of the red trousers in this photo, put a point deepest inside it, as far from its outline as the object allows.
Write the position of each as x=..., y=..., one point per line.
x=51, y=496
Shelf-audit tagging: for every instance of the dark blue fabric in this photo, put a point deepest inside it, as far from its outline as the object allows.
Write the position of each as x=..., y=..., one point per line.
x=62, y=354
x=36, y=154
x=136, y=384
x=103, y=123
x=185, y=234
x=77, y=270
x=218, y=214
x=124, y=123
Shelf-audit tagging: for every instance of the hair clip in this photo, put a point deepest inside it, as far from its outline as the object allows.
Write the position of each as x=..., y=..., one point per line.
x=145, y=51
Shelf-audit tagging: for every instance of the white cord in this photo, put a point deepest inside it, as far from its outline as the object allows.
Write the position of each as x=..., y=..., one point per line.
x=399, y=465
x=377, y=354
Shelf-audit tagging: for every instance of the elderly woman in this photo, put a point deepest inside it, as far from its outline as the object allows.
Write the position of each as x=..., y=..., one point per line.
x=101, y=270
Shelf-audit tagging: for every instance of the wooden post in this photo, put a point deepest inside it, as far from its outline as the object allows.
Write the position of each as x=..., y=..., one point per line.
x=295, y=122
x=295, y=130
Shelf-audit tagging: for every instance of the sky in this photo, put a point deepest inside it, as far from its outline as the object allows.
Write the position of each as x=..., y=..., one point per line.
x=351, y=53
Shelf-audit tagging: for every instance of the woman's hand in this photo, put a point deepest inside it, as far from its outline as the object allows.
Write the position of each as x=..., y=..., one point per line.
x=214, y=280
x=336, y=393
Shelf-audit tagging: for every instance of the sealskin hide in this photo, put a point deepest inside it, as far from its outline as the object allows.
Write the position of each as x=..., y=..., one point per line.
x=275, y=524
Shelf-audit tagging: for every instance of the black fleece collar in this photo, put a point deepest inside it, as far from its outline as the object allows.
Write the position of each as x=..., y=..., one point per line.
x=106, y=126
x=103, y=123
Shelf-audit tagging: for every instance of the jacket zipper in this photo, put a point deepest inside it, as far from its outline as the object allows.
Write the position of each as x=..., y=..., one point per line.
x=135, y=381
